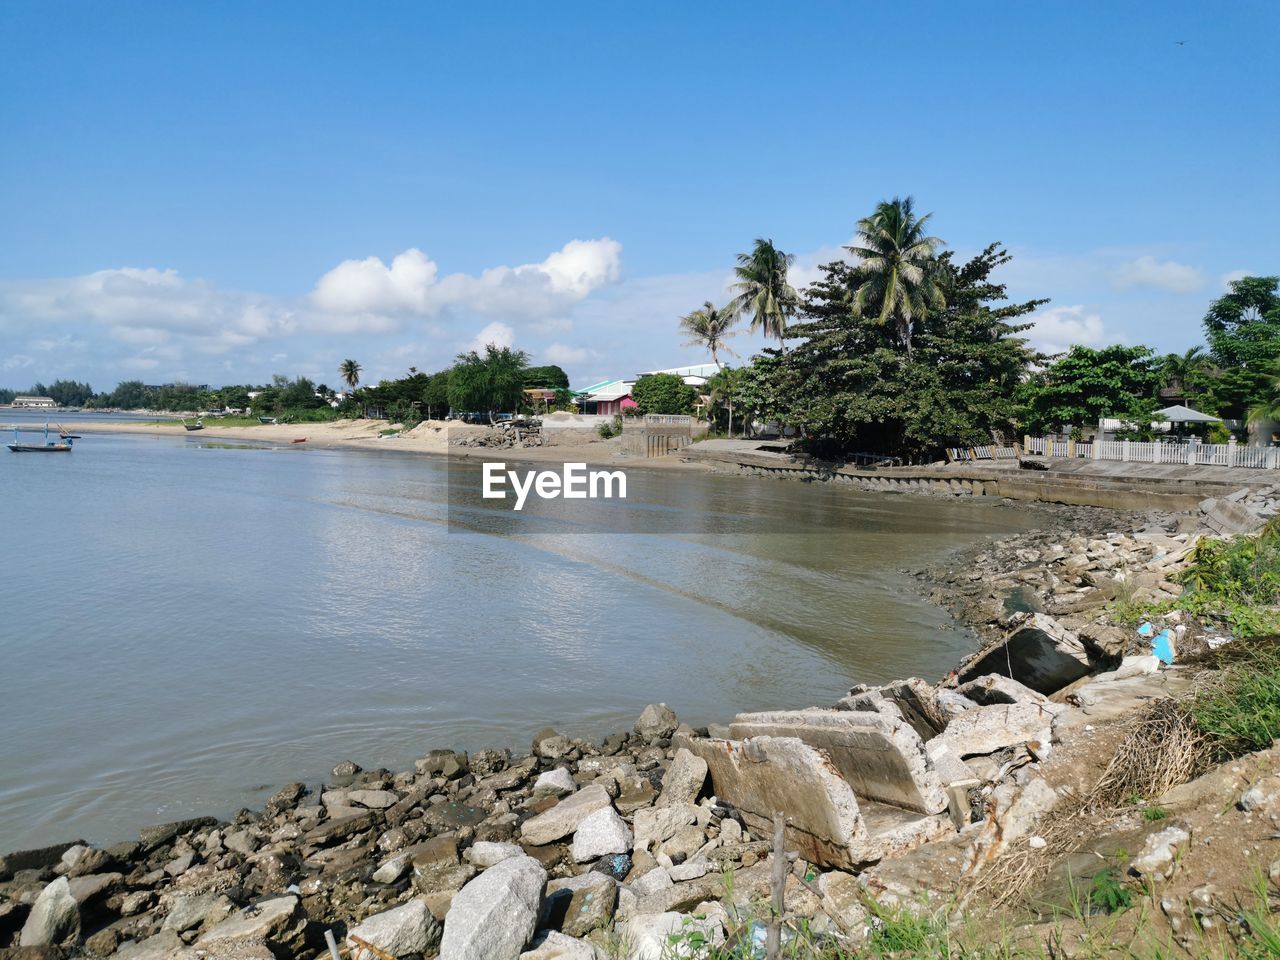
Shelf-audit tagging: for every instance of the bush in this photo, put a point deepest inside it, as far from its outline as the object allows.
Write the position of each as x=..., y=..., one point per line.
x=663, y=393
x=611, y=429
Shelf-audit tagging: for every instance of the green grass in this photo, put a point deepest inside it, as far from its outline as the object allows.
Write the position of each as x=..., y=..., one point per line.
x=1240, y=711
x=1154, y=813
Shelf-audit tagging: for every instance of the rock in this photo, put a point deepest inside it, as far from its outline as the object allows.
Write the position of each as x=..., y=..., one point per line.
x=392, y=870
x=345, y=768
x=553, y=945
x=339, y=829
x=994, y=688
x=1263, y=797
x=1158, y=859
x=373, y=799
x=913, y=700
x=443, y=763
x=879, y=754
x=554, y=783
x=657, y=824
x=763, y=775
x=690, y=870
x=103, y=943
x=578, y=905
x=684, y=779
x=408, y=928
x=1014, y=811
x=563, y=819
x=54, y=917
x=36, y=859
x=599, y=834
x=654, y=881
x=486, y=853
x=657, y=721
x=550, y=745
x=165, y=945
x=648, y=936
x=274, y=921
x=1040, y=653
x=197, y=911
x=152, y=838
x=988, y=729
x=493, y=917
x=241, y=841
x=682, y=844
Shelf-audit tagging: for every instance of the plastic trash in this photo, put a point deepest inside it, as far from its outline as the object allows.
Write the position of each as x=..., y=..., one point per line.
x=1146, y=630
x=1163, y=647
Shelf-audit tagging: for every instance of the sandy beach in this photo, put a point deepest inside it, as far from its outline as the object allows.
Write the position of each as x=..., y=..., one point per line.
x=431, y=437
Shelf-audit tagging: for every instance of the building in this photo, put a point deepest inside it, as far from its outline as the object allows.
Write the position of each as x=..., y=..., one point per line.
x=39, y=402
x=612, y=397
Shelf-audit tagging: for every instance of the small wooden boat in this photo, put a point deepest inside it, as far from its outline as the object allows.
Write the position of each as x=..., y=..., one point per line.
x=266, y=419
x=299, y=440
x=49, y=446
x=198, y=425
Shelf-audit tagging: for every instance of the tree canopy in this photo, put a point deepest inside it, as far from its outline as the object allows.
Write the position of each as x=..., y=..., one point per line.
x=488, y=382
x=550, y=377
x=1086, y=384
x=663, y=393
x=1243, y=325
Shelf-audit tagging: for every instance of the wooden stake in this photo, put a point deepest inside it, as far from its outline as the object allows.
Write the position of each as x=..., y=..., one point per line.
x=778, y=888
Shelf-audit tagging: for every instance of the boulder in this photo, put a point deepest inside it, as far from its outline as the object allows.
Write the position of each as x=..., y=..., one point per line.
x=766, y=775
x=553, y=945
x=913, y=700
x=487, y=853
x=988, y=729
x=995, y=689
x=54, y=917
x=554, y=783
x=563, y=819
x=599, y=834
x=197, y=911
x=550, y=745
x=578, y=905
x=653, y=825
x=408, y=928
x=880, y=755
x=649, y=936
x=1039, y=653
x=684, y=779
x=373, y=799
x=152, y=838
x=657, y=721
x=493, y=917
x=1014, y=810
x=274, y=921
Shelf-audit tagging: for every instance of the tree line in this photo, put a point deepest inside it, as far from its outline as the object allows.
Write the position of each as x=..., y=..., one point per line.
x=900, y=348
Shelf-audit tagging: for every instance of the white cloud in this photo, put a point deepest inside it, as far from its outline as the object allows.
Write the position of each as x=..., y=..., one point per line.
x=412, y=285
x=1147, y=271
x=560, y=354
x=1059, y=328
x=1232, y=276
x=498, y=334
x=17, y=361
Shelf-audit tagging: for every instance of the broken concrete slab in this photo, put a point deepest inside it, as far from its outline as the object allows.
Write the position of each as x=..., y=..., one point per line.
x=1013, y=811
x=988, y=729
x=881, y=757
x=1229, y=518
x=766, y=775
x=996, y=688
x=914, y=700
x=562, y=819
x=1040, y=653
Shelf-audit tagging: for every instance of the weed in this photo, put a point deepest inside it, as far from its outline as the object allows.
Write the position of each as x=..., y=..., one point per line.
x=1154, y=813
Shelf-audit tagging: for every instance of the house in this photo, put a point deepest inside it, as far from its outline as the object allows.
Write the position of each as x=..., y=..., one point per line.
x=608, y=398
x=695, y=375
x=39, y=402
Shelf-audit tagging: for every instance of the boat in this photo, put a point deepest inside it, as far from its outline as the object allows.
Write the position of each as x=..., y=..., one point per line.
x=198, y=425
x=266, y=419
x=299, y=440
x=49, y=446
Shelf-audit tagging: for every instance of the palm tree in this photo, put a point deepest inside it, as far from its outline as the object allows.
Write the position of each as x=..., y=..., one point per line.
x=710, y=328
x=724, y=388
x=1181, y=370
x=762, y=291
x=349, y=370
x=897, y=266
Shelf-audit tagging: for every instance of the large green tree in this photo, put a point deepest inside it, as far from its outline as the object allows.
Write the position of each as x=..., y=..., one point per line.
x=488, y=382
x=349, y=371
x=709, y=327
x=761, y=290
x=1085, y=385
x=1243, y=325
x=850, y=385
x=550, y=377
x=663, y=393
x=897, y=267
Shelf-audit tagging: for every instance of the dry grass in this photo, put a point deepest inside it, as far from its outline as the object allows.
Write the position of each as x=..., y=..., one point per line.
x=1162, y=749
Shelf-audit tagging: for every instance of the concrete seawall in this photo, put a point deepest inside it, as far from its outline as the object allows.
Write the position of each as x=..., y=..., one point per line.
x=1116, y=486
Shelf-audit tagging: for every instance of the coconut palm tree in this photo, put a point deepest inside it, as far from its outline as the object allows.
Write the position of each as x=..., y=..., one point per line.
x=897, y=266
x=1182, y=370
x=349, y=370
x=710, y=328
x=762, y=291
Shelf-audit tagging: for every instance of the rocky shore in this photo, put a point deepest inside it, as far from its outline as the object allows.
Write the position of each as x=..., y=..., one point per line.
x=664, y=839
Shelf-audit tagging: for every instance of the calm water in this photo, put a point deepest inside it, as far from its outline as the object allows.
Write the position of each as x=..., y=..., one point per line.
x=189, y=624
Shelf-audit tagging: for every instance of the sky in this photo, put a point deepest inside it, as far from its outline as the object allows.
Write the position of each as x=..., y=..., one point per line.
x=216, y=193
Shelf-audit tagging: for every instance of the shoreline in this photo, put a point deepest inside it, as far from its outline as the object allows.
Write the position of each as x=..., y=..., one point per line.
x=675, y=806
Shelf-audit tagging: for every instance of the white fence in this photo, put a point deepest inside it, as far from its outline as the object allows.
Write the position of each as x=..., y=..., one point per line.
x=1133, y=451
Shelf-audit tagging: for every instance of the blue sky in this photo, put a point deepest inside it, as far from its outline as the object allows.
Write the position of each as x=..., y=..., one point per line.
x=219, y=192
